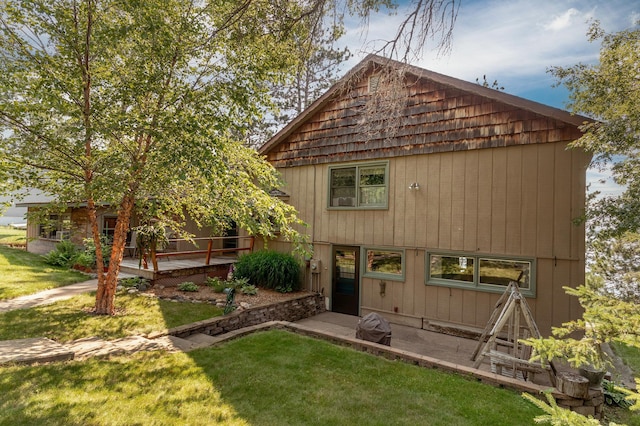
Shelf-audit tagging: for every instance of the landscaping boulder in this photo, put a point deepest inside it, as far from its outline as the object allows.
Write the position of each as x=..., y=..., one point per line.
x=374, y=328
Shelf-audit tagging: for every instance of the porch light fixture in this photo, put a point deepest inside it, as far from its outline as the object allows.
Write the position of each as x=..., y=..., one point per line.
x=414, y=185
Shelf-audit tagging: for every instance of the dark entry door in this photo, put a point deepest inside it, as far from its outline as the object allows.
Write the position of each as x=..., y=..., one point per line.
x=345, y=294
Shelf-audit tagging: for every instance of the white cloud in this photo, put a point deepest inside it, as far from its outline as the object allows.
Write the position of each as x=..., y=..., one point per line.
x=560, y=22
x=509, y=40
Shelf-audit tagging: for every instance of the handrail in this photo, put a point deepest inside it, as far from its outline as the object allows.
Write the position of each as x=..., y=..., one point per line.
x=210, y=250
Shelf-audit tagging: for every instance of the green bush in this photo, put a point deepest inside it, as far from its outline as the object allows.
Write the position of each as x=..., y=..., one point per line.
x=64, y=254
x=249, y=290
x=135, y=282
x=188, y=286
x=216, y=284
x=90, y=250
x=269, y=269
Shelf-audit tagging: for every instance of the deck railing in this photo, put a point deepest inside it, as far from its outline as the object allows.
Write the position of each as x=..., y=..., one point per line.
x=209, y=252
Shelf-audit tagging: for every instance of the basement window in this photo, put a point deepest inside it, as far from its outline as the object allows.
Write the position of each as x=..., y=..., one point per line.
x=480, y=272
x=384, y=263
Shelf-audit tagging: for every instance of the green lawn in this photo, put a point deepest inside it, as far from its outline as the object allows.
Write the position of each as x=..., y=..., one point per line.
x=68, y=320
x=269, y=378
x=12, y=236
x=26, y=273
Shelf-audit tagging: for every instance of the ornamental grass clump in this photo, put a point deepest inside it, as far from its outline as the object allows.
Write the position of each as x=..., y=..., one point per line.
x=269, y=269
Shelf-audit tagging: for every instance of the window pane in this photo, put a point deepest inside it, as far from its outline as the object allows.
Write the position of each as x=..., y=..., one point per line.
x=343, y=177
x=384, y=261
x=373, y=196
x=372, y=176
x=456, y=268
x=343, y=187
x=502, y=272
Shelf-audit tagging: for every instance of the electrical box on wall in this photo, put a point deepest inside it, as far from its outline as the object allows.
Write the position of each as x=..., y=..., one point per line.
x=315, y=265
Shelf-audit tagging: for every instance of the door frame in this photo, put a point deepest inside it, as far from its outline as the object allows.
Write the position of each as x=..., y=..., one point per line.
x=352, y=304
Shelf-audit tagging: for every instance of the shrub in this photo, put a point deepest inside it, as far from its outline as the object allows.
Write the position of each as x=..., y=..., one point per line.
x=64, y=254
x=269, y=269
x=249, y=289
x=216, y=284
x=135, y=282
x=188, y=286
x=90, y=250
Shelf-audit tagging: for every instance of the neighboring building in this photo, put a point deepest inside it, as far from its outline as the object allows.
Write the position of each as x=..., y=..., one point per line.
x=426, y=215
x=73, y=224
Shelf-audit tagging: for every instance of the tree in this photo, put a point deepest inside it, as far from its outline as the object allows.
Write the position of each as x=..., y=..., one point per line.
x=140, y=104
x=317, y=70
x=609, y=93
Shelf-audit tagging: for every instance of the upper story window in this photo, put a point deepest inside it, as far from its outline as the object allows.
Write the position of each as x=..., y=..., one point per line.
x=359, y=186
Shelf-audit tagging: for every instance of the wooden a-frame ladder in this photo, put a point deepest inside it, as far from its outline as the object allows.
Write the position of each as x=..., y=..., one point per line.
x=508, y=312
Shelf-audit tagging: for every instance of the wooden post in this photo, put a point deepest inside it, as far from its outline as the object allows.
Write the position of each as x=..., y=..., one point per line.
x=209, y=247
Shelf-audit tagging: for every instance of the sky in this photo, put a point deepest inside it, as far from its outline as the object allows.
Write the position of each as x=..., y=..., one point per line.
x=511, y=41
x=514, y=42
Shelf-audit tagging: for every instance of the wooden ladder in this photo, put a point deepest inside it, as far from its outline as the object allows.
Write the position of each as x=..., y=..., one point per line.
x=508, y=313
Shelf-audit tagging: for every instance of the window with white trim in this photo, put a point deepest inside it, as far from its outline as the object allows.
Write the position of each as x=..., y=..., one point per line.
x=481, y=272
x=362, y=186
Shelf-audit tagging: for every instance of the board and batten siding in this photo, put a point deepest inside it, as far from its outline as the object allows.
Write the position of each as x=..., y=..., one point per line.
x=513, y=201
x=496, y=178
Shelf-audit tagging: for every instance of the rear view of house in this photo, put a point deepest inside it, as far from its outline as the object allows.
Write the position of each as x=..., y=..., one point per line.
x=426, y=195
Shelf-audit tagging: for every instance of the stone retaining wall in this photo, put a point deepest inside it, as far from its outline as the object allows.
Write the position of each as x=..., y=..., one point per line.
x=291, y=310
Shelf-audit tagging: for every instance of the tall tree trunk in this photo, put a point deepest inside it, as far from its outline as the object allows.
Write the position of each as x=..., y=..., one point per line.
x=107, y=283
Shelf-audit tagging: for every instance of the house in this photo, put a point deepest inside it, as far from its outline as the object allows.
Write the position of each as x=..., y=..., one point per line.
x=43, y=233
x=426, y=195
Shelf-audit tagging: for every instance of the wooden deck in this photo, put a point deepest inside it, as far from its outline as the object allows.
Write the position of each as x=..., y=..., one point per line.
x=172, y=271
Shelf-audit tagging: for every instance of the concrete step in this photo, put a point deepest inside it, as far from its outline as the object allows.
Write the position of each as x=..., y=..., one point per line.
x=202, y=339
x=175, y=344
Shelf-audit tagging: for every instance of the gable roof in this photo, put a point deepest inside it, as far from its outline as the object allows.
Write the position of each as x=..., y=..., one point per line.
x=506, y=102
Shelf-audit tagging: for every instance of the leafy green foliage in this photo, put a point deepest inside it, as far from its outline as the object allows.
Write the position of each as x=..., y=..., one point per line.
x=270, y=269
x=615, y=262
x=249, y=289
x=614, y=395
x=135, y=282
x=604, y=320
x=90, y=250
x=64, y=254
x=558, y=416
x=217, y=284
x=608, y=93
x=188, y=286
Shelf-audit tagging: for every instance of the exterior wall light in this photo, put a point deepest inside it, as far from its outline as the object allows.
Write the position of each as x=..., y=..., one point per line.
x=414, y=185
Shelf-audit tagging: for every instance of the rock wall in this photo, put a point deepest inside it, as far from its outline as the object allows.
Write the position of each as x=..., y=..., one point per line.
x=291, y=310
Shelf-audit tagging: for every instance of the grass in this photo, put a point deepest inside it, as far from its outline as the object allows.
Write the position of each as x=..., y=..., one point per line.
x=12, y=236
x=631, y=357
x=269, y=378
x=26, y=273
x=68, y=320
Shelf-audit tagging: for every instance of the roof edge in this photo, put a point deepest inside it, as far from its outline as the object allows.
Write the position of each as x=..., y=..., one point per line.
x=474, y=88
